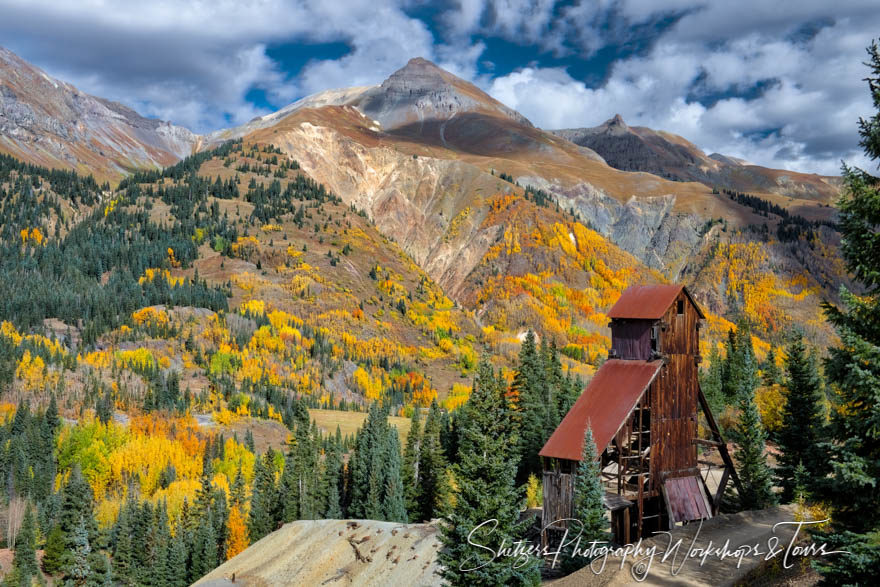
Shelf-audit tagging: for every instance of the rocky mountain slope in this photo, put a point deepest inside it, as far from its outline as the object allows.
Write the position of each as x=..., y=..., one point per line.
x=52, y=123
x=671, y=156
x=486, y=203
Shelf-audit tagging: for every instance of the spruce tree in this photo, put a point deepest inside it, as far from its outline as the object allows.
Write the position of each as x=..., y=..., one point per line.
x=79, y=572
x=411, y=467
x=25, y=546
x=531, y=390
x=433, y=486
x=394, y=499
x=332, y=481
x=853, y=368
x=175, y=568
x=485, y=472
x=262, y=515
x=53, y=554
x=587, y=507
x=803, y=420
x=711, y=381
x=754, y=474
x=771, y=374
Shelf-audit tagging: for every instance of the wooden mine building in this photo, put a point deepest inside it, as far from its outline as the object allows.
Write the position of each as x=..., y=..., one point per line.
x=643, y=405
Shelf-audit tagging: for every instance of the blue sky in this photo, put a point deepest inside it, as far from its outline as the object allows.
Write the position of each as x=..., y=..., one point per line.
x=780, y=85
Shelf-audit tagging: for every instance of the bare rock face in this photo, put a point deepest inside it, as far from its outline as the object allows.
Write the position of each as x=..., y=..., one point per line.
x=421, y=91
x=648, y=228
x=49, y=122
x=672, y=157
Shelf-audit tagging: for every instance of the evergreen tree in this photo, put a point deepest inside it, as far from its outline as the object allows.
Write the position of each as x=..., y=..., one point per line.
x=175, y=568
x=204, y=549
x=332, y=481
x=754, y=474
x=26, y=547
x=394, y=499
x=803, y=420
x=531, y=390
x=53, y=554
x=588, y=507
x=411, y=467
x=771, y=373
x=433, y=486
x=79, y=572
x=853, y=368
x=485, y=472
x=262, y=516
x=711, y=381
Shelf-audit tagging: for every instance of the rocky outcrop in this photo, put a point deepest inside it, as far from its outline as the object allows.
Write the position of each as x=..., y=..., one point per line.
x=649, y=228
x=49, y=122
x=673, y=157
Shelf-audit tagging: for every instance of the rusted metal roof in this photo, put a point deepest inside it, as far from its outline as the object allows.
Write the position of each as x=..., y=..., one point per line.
x=686, y=499
x=648, y=302
x=606, y=402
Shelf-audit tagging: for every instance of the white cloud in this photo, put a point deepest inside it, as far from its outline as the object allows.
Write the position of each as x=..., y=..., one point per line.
x=804, y=117
x=193, y=62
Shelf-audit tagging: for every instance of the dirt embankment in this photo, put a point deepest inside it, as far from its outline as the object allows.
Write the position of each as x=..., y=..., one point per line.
x=335, y=552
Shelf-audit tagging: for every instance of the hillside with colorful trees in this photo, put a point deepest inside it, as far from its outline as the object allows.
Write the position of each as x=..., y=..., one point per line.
x=208, y=351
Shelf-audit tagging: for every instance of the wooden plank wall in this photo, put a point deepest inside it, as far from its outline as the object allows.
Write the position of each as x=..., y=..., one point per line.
x=674, y=396
x=632, y=339
x=558, y=497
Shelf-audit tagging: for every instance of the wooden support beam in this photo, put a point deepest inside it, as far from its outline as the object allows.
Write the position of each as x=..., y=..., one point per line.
x=722, y=448
x=716, y=500
x=705, y=442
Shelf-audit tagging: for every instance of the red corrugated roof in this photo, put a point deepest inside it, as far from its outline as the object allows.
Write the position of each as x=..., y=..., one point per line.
x=605, y=403
x=648, y=302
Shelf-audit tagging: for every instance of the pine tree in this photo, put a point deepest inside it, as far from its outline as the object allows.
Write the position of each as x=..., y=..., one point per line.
x=530, y=389
x=53, y=554
x=411, y=467
x=433, y=486
x=803, y=420
x=204, y=549
x=588, y=507
x=754, y=474
x=332, y=481
x=25, y=546
x=711, y=382
x=771, y=373
x=853, y=368
x=262, y=516
x=175, y=569
x=79, y=572
x=394, y=499
x=485, y=472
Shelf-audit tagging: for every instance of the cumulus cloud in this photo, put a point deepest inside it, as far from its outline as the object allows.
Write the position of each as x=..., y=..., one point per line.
x=778, y=84
x=741, y=82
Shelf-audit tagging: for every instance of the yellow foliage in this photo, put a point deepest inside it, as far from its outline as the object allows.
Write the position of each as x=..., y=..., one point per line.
x=151, y=317
x=34, y=374
x=152, y=274
x=254, y=307
x=770, y=401
x=8, y=330
x=534, y=492
x=33, y=236
x=458, y=396
x=371, y=386
x=271, y=228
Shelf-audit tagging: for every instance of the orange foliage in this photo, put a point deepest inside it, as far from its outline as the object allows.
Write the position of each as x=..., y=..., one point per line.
x=237, y=533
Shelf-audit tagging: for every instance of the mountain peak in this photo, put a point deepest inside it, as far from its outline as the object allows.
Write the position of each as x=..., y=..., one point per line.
x=421, y=90
x=615, y=125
